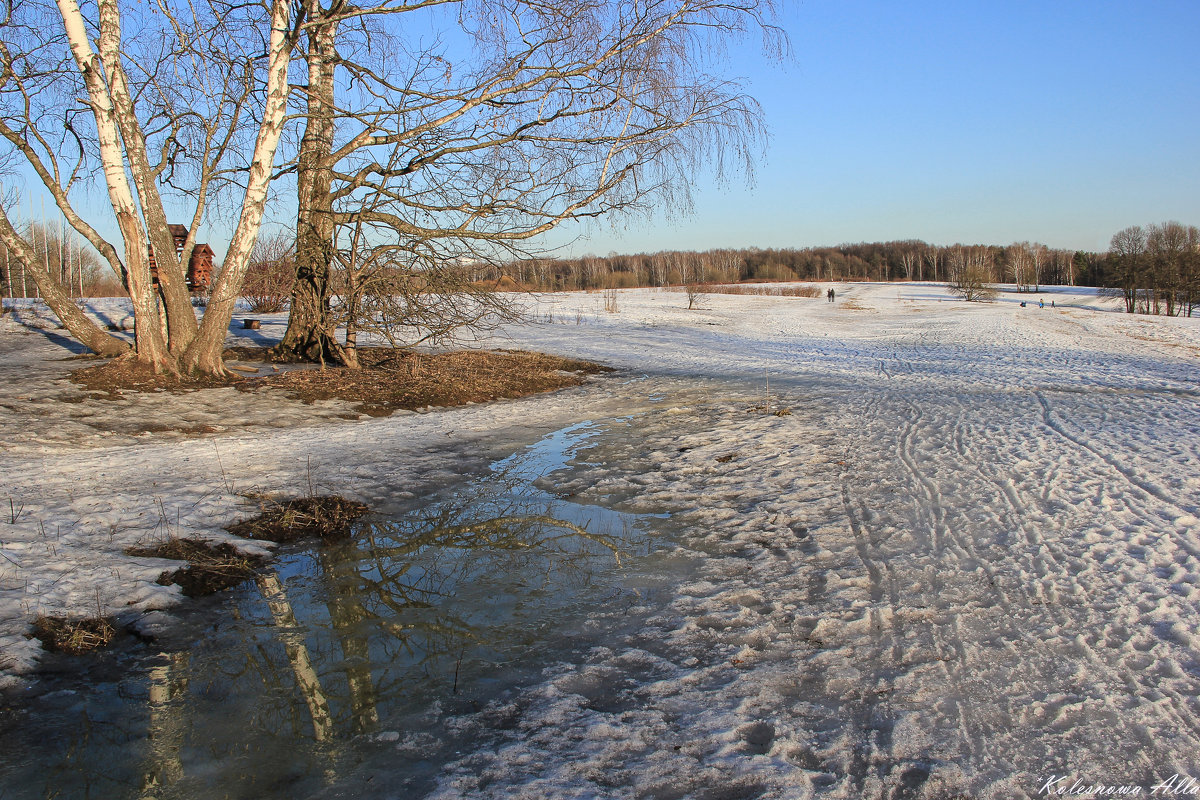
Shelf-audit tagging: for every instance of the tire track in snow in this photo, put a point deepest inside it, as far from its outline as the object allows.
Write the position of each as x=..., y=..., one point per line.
x=952, y=552
x=947, y=542
x=1053, y=566
x=1148, y=487
x=867, y=715
x=1055, y=613
x=941, y=642
x=1131, y=669
x=861, y=546
x=882, y=578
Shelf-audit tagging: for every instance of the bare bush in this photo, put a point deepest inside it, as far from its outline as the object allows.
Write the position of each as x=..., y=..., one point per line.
x=406, y=295
x=971, y=283
x=272, y=272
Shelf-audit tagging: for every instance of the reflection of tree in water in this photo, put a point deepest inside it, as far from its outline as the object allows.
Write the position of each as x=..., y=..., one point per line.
x=406, y=599
x=337, y=639
x=165, y=734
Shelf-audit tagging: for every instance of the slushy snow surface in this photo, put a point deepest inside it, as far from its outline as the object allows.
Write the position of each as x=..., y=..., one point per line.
x=965, y=564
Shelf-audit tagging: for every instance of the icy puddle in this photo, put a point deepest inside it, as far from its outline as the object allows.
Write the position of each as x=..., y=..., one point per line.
x=341, y=658
x=893, y=591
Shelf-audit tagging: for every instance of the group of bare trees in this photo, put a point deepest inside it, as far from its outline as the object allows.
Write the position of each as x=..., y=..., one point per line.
x=61, y=254
x=1156, y=269
x=1028, y=265
x=416, y=135
x=174, y=104
x=971, y=272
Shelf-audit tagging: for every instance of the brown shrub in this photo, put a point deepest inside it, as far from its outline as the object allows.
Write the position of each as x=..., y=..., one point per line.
x=211, y=568
x=74, y=636
x=322, y=517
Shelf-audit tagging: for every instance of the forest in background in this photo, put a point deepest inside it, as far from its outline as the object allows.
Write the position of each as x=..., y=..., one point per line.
x=1155, y=269
x=908, y=260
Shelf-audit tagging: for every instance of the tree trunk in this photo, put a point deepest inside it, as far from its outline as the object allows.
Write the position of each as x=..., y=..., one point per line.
x=75, y=321
x=204, y=355
x=352, y=299
x=172, y=285
x=167, y=725
x=311, y=331
x=294, y=645
x=347, y=614
x=150, y=334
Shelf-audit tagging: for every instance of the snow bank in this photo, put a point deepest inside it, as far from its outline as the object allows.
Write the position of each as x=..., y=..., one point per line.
x=967, y=560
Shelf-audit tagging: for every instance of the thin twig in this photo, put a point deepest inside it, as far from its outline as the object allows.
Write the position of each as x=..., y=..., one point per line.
x=457, y=664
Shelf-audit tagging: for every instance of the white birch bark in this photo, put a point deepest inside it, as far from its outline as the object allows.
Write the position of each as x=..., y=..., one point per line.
x=181, y=320
x=307, y=679
x=150, y=336
x=75, y=321
x=204, y=353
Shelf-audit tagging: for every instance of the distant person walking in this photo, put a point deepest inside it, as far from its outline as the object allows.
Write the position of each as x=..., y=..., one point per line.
x=830, y=295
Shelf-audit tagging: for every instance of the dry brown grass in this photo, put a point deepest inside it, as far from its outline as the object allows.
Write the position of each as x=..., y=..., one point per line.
x=395, y=379
x=387, y=380
x=74, y=636
x=764, y=291
x=211, y=568
x=322, y=517
x=126, y=374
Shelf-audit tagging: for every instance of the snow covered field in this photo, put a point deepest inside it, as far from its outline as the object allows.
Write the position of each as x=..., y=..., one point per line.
x=966, y=563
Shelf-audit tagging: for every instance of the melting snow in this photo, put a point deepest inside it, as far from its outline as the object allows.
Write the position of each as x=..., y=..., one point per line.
x=965, y=564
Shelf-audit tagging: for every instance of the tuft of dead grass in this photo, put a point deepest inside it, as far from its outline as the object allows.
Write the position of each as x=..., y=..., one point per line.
x=210, y=568
x=127, y=374
x=74, y=636
x=324, y=517
x=763, y=291
x=387, y=380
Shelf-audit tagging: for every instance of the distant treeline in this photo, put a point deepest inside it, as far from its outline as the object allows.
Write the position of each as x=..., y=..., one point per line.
x=64, y=256
x=1155, y=269
x=911, y=260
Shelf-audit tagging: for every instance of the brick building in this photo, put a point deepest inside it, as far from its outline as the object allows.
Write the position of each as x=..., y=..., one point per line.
x=200, y=266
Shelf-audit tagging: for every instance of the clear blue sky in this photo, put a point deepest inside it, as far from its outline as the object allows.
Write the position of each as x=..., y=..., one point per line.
x=976, y=122
x=1059, y=121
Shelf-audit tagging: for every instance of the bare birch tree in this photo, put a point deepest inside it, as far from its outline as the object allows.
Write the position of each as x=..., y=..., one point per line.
x=539, y=113
x=190, y=104
x=1041, y=257
x=909, y=259
x=1127, y=251
x=970, y=272
x=933, y=257
x=1020, y=265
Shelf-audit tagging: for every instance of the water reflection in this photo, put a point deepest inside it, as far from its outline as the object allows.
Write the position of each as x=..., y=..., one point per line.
x=273, y=690
x=292, y=637
x=430, y=602
x=168, y=682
